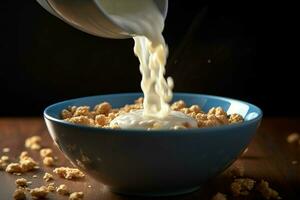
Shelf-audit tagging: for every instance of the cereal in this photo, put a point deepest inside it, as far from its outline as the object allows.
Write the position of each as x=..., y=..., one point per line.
x=23, y=155
x=27, y=164
x=68, y=173
x=62, y=190
x=242, y=186
x=266, y=191
x=48, y=177
x=103, y=108
x=40, y=192
x=4, y=158
x=46, y=152
x=22, y=182
x=51, y=187
x=82, y=111
x=81, y=120
x=236, y=170
x=19, y=194
x=103, y=114
x=76, y=196
x=65, y=114
x=178, y=105
x=3, y=165
x=219, y=196
x=235, y=118
x=33, y=142
x=6, y=150
x=13, y=168
x=293, y=137
x=48, y=161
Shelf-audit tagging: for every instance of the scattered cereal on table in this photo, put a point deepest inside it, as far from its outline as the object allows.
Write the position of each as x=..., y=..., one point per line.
x=6, y=150
x=68, y=173
x=46, y=152
x=33, y=142
x=4, y=158
x=48, y=177
x=51, y=187
x=19, y=194
x=294, y=162
x=293, y=137
x=219, y=196
x=62, y=190
x=40, y=192
x=76, y=196
x=266, y=191
x=242, y=186
x=48, y=161
x=13, y=168
x=22, y=182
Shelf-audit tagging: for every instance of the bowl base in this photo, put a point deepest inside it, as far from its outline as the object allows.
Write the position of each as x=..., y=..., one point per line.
x=156, y=194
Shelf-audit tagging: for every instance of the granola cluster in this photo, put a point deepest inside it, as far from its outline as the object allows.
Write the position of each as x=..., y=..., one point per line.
x=102, y=114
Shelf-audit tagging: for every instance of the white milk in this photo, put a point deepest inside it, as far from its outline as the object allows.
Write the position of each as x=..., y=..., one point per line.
x=144, y=18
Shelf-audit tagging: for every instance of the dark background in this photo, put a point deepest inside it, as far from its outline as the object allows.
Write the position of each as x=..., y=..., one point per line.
x=213, y=50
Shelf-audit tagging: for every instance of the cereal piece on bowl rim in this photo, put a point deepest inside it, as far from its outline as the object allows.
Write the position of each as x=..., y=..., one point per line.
x=76, y=196
x=68, y=173
x=19, y=194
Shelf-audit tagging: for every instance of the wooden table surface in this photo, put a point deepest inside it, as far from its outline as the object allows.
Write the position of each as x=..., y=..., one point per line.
x=269, y=157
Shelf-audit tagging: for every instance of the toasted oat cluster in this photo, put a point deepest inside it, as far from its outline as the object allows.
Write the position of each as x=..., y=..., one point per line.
x=219, y=196
x=33, y=142
x=25, y=164
x=266, y=191
x=76, y=196
x=242, y=186
x=40, y=192
x=68, y=173
x=102, y=114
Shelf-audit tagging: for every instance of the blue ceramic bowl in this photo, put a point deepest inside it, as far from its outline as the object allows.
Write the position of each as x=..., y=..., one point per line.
x=159, y=162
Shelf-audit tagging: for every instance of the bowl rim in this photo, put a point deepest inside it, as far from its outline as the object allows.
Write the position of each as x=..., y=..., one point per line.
x=191, y=130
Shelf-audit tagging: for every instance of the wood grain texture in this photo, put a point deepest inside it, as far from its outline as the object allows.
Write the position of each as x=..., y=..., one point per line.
x=269, y=157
